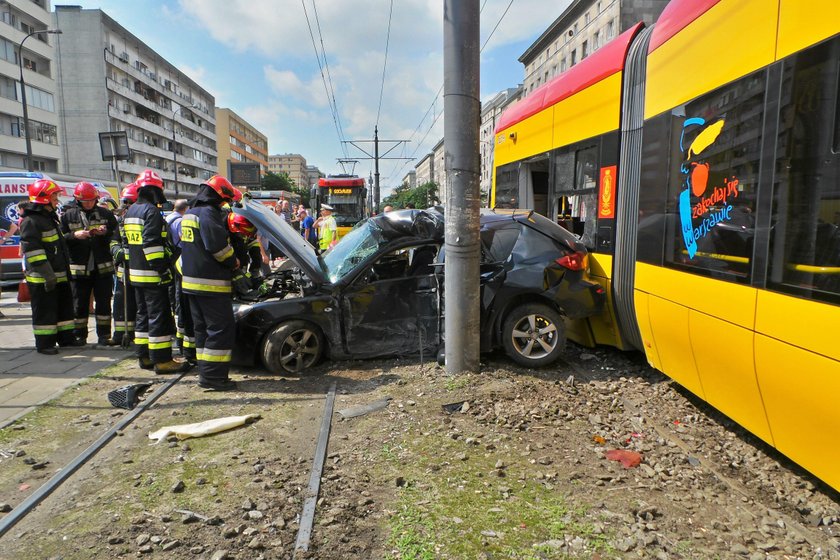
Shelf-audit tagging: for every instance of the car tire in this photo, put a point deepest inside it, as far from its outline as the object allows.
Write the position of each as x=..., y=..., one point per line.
x=292, y=347
x=534, y=335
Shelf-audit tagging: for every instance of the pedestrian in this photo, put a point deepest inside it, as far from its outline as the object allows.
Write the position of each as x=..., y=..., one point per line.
x=208, y=262
x=327, y=228
x=387, y=209
x=307, y=229
x=87, y=229
x=409, y=206
x=125, y=304
x=47, y=269
x=149, y=271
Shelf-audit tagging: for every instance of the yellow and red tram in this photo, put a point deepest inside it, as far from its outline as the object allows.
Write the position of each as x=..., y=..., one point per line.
x=699, y=161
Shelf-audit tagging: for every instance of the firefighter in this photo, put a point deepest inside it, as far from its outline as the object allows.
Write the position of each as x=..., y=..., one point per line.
x=150, y=274
x=125, y=306
x=184, y=330
x=207, y=264
x=47, y=272
x=87, y=229
x=243, y=239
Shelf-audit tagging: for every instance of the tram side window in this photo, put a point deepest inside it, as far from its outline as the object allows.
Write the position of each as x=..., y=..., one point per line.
x=805, y=237
x=507, y=186
x=715, y=148
x=576, y=182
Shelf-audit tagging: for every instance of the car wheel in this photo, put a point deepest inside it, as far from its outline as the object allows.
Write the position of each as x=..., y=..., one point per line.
x=292, y=347
x=533, y=335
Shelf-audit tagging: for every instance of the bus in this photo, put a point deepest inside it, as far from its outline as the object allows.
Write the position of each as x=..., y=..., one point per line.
x=13, y=189
x=347, y=195
x=699, y=161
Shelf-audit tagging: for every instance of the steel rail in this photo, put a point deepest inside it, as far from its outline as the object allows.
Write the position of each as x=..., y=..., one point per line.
x=25, y=507
x=308, y=515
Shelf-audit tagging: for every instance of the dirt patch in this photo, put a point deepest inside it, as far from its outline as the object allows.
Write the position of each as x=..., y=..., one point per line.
x=519, y=470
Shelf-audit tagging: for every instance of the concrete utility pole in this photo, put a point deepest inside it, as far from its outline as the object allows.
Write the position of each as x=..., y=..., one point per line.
x=376, y=157
x=462, y=118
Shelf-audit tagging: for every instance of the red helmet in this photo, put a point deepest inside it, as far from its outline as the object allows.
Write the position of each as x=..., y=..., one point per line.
x=85, y=191
x=240, y=224
x=222, y=187
x=129, y=193
x=149, y=178
x=237, y=195
x=41, y=190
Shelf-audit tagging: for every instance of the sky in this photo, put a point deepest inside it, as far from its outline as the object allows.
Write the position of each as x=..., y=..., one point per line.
x=257, y=58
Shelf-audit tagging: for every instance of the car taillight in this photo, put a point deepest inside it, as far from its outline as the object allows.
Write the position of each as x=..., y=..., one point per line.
x=574, y=261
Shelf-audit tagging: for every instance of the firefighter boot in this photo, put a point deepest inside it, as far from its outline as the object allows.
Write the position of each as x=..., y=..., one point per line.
x=172, y=366
x=146, y=363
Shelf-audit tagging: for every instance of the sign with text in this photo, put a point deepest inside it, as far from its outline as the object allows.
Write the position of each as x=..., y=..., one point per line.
x=245, y=174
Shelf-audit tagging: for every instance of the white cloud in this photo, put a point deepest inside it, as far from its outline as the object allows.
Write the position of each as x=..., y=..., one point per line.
x=354, y=33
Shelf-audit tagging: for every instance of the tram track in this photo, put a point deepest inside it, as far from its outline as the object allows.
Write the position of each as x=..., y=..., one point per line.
x=65, y=473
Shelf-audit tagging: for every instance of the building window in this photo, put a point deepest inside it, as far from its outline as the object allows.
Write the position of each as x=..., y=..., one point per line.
x=611, y=29
x=574, y=57
x=584, y=51
x=586, y=19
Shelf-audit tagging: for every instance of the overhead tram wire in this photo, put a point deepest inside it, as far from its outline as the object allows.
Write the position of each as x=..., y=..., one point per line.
x=329, y=79
x=330, y=100
x=385, y=64
x=490, y=36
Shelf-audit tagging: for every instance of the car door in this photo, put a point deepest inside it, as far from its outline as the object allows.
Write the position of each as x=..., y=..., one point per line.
x=393, y=306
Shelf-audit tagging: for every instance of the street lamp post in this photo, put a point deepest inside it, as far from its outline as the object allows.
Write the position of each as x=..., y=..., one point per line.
x=23, y=93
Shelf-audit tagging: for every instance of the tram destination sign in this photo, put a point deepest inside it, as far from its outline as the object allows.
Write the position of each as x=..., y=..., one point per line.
x=245, y=174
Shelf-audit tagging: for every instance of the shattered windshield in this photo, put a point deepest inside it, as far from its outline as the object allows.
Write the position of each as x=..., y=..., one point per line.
x=354, y=247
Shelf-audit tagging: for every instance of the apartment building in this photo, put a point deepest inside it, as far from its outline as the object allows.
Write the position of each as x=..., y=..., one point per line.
x=111, y=81
x=491, y=110
x=410, y=179
x=19, y=18
x=424, y=170
x=292, y=164
x=314, y=174
x=239, y=142
x=583, y=28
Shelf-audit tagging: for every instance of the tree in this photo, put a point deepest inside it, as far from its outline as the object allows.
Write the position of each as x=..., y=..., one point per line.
x=421, y=196
x=276, y=182
x=282, y=182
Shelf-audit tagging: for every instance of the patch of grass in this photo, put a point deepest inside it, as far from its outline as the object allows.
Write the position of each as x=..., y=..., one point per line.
x=410, y=532
x=457, y=382
x=463, y=505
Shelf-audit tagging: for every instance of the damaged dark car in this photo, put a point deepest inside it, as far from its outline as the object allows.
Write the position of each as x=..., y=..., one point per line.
x=379, y=291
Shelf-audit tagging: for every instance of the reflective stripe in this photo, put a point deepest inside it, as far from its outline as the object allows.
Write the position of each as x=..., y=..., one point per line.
x=165, y=338
x=104, y=320
x=141, y=341
x=49, y=236
x=78, y=268
x=36, y=259
x=143, y=276
x=224, y=254
x=134, y=221
x=159, y=345
x=66, y=326
x=105, y=267
x=212, y=355
x=81, y=322
x=189, y=220
x=154, y=250
x=206, y=285
x=34, y=253
x=45, y=331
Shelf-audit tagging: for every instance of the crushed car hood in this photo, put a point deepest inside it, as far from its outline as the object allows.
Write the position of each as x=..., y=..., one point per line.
x=284, y=237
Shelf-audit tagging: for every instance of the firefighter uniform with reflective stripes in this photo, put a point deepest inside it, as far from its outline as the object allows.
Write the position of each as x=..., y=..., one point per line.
x=125, y=306
x=47, y=276
x=207, y=262
x=91, y=265
x=149, y=273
